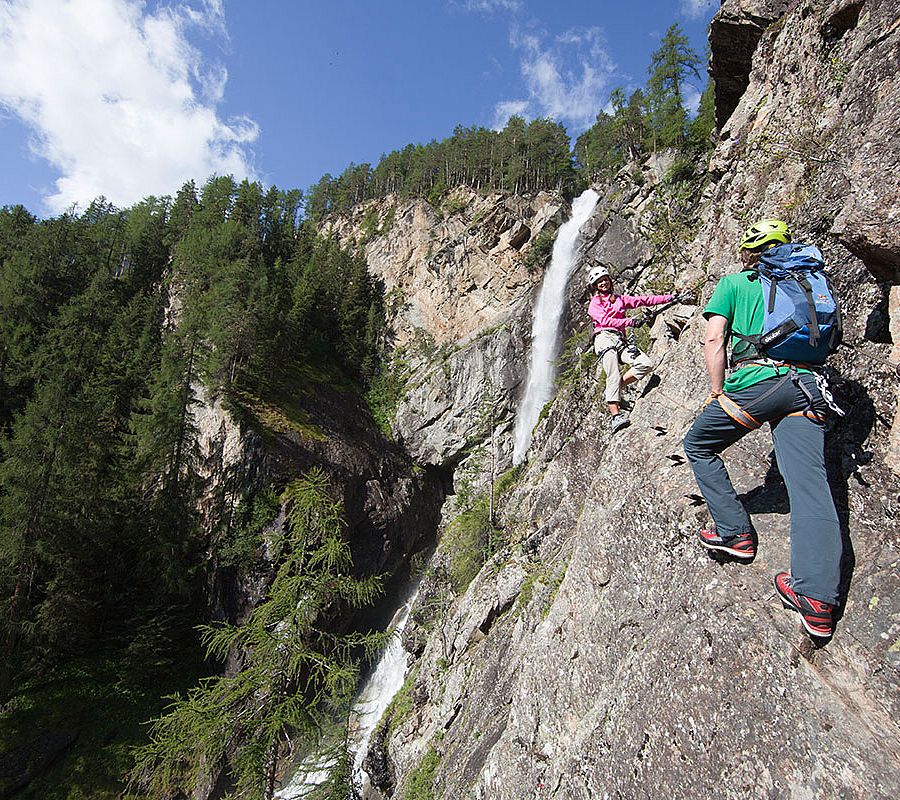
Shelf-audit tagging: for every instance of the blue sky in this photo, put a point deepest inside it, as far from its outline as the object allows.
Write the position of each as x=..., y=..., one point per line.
x=128, y=98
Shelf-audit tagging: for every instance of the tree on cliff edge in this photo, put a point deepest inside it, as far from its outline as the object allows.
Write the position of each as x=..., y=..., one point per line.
x=670, y=66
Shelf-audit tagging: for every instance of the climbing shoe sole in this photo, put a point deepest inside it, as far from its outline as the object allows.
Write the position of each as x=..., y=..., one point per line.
x=740, y=546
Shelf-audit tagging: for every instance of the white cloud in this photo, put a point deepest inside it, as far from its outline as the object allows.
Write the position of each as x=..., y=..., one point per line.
x=691, y=100
x=117, y=98
x=507, y=109
x=696, y=8
x=567, y=79
x=487, y=6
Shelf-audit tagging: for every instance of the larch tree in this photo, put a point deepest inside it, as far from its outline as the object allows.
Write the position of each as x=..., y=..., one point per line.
x=670, y=66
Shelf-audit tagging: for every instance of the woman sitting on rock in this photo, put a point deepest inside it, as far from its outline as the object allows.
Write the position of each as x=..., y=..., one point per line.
x=607, y=310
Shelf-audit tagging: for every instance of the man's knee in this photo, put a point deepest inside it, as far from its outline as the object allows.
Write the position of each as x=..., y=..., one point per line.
x=693, y=446
x=688, y=444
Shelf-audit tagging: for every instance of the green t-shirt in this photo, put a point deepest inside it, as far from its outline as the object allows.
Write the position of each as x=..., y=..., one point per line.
x=738, y=298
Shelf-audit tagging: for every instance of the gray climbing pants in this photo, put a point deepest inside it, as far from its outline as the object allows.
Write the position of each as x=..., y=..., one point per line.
x=799, y=437
x=611, y=347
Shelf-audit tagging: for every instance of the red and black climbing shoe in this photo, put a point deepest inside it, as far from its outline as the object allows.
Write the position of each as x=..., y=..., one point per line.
x=815, y=615
x=740, y=546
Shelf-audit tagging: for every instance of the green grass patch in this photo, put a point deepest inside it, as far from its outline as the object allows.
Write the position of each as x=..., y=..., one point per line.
x=420, y=785
x=577, y=355
x=540, y=574
x=454, y=204
x=507, y=480
x=400, y=707
x=540, y=250
x=277, y=404
x=471, y=539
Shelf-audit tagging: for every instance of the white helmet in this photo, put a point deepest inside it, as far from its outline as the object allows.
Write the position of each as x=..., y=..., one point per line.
x=596, y=273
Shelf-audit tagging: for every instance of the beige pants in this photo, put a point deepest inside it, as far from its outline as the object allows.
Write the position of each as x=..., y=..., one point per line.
x=607, y=345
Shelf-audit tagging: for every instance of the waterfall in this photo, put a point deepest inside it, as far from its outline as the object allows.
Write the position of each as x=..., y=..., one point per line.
x=545, y=327
x=373, y=698
x=382, y=684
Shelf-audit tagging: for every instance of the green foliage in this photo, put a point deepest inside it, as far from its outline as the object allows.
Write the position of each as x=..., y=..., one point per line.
x=386, y=391
x=839, y=69
x=471, y=539
x=577, y=355
x=673, y=218
x=682, y=169
x=651, y=118
x=420, y=784
x=388, y=222
x=399, y=709
x=454, y=204
x=670, y=66
x=544, y=412
x=541, y=577
x=615, y=138
x=242, y=540
x=540, y=249
x=553, y=589
x=523, y=157
x=507, y=480
x=369, y=225
x=97, y=705
x=703, y=126
x=299, y=671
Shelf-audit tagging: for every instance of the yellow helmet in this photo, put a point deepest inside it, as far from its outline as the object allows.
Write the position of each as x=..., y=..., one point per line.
x=765, y=233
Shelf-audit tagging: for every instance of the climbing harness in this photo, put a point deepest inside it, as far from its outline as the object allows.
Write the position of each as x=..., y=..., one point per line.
x=620, y=345
x=745, y=419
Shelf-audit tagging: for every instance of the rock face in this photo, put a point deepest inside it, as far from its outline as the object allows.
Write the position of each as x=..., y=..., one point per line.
x=733, y=36
x=460, y=280
x=601, y=654
x=392, y=507
x=453, y=271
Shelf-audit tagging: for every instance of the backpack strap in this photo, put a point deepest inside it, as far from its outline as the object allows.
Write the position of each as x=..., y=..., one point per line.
x=837, y=333
x=754, y=343
x=814, y=334
x=772, y=286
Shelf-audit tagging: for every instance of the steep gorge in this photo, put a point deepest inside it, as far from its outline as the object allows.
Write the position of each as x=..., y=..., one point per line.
x=600, y=653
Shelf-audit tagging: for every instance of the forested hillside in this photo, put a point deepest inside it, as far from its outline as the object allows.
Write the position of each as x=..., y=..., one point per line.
x=111, y=322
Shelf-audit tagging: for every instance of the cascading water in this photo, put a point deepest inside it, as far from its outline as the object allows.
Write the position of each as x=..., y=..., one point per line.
x=545, y=328
x=385, y=680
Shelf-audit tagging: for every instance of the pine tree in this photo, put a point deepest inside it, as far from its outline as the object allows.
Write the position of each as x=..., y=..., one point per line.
x=670, y=65
x=295, y=671
x=704, y=124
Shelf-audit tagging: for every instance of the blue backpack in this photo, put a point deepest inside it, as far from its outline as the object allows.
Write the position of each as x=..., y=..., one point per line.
x=802, y=322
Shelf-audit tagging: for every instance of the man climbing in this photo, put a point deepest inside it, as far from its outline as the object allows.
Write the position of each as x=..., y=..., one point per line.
x=607, y=310
x=788, y=397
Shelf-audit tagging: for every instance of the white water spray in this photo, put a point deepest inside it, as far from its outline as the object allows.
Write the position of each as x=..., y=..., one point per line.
x=545, y=328
x=385, y=680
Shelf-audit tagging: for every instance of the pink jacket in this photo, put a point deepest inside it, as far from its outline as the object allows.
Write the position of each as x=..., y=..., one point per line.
x=608, y=310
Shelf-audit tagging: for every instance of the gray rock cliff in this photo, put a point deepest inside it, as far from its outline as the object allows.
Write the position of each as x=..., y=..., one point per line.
x=600, y=653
